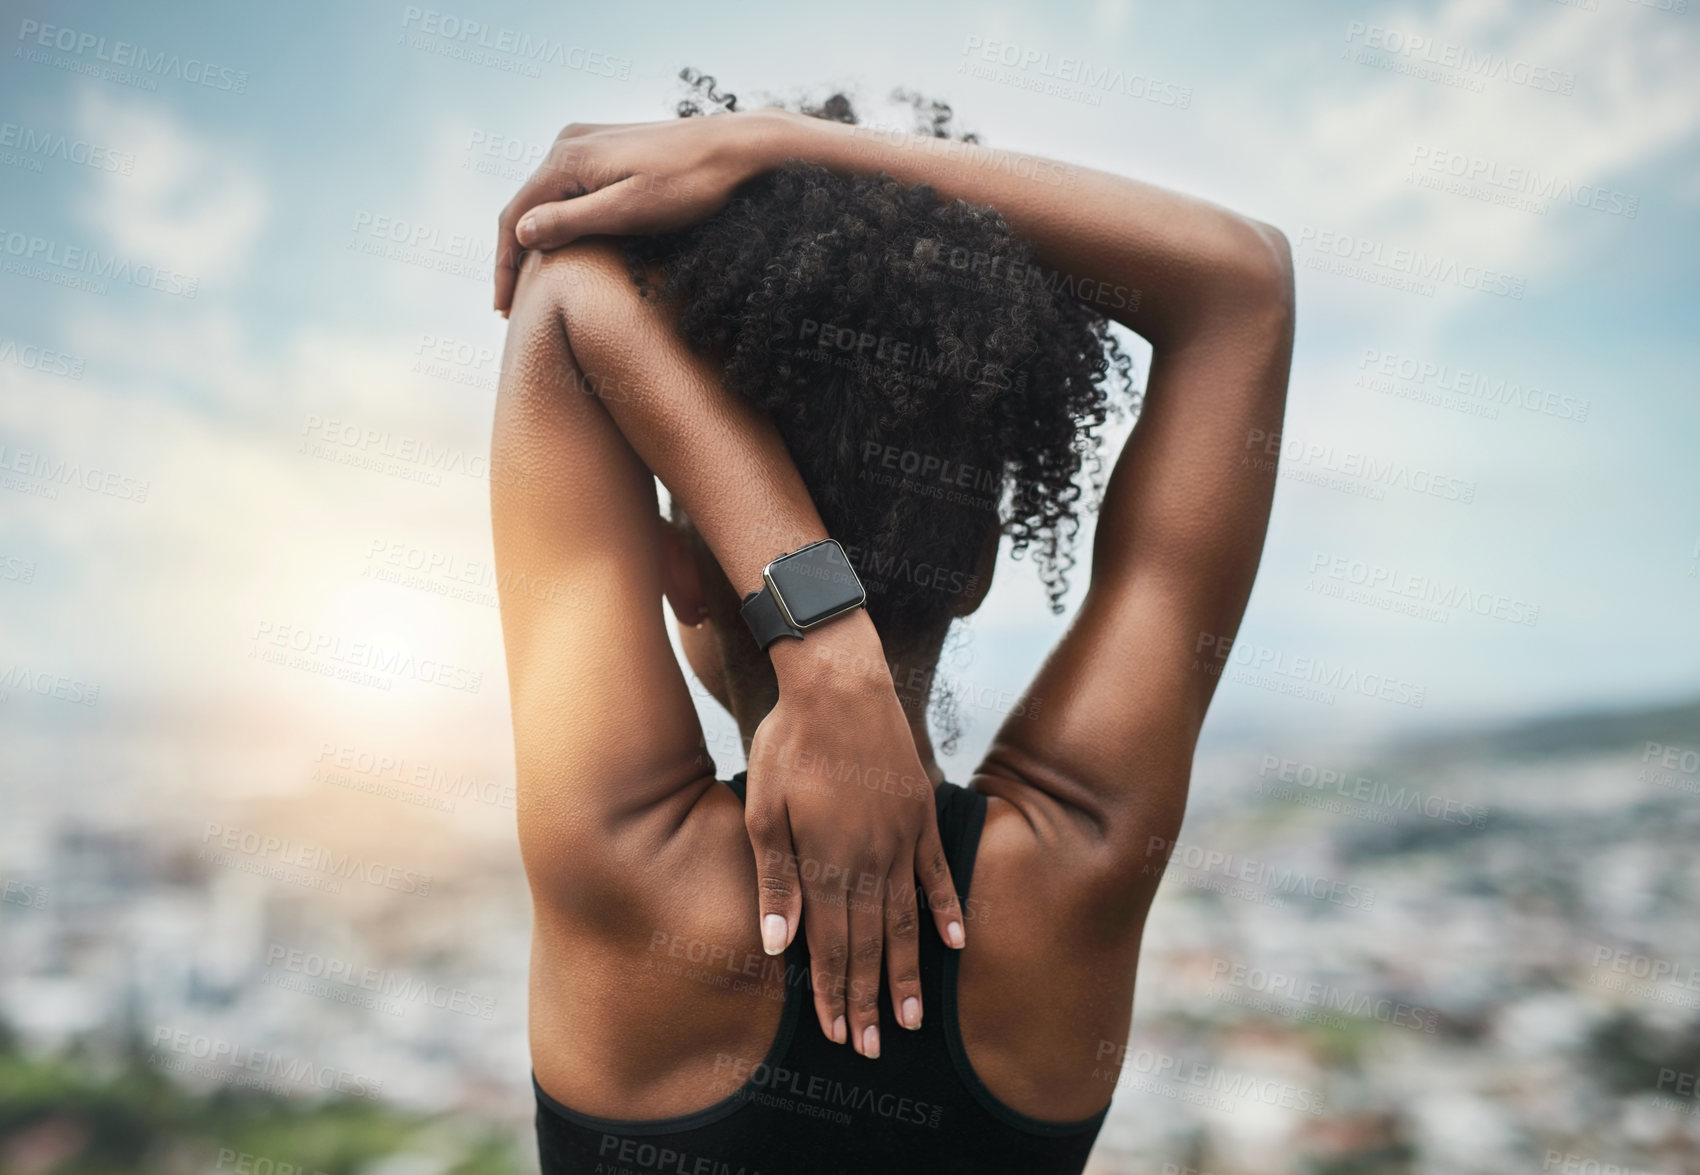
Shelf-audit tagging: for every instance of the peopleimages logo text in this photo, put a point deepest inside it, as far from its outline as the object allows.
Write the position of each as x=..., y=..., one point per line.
x=514, y=43
x=1077, y=71
x=1415, y=264
x=34, y=250
x=137, y=57
x=313, y=858
x=1467, y=61
x=40, y=144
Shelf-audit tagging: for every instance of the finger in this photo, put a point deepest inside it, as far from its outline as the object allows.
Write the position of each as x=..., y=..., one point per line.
x=506, y=273
x=779, y=896
x=563, y=173
x=539, y=188
x=867, y=946
x=617, y=209
x=508, y=257
x=903, y=942
x=549, y=223
x=933, y=868
x=827, y=934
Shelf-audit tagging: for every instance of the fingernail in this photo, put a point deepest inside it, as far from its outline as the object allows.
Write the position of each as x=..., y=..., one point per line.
x=953, y=934
x=773, y=933
x=912, y=1012
x=527, y=230
x=871, y=1041
x=839, y=1035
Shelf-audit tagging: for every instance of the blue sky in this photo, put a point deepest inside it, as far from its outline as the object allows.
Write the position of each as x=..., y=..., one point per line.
x=265, y=154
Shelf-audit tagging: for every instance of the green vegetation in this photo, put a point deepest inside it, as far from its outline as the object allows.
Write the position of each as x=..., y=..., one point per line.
x=78, y=1115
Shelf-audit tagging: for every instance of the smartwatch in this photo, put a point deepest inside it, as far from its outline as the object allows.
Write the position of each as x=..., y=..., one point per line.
x=801, y=590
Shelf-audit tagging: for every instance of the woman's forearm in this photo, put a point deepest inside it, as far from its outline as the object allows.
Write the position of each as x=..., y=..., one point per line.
x=1159, y=262
x=720, y=458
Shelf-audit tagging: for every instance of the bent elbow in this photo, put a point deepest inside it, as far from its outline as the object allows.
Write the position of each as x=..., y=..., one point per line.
x=1279, y=262
x=1262, y=271
x=1246, y=270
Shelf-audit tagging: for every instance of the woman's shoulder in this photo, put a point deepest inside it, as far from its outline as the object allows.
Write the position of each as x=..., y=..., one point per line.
x=649, y=965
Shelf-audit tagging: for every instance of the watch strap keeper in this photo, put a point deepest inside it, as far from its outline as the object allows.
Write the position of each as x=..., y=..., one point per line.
x=767, y=623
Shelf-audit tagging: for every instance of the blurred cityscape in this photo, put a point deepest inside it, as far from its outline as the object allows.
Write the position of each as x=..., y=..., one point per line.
x=1476, y=954
x=1473, y=954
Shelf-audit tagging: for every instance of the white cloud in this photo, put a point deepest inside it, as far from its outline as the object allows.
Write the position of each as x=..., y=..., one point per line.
x=1360, y=128
x=190, y=205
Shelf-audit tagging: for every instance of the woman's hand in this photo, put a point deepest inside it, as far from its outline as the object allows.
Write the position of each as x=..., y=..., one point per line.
x=840, y=813
x=625, y=178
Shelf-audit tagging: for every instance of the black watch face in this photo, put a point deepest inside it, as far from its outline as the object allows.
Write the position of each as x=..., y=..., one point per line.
x=816, y=583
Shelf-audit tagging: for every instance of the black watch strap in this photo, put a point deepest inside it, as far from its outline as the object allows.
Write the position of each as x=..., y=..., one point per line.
x=766, y=621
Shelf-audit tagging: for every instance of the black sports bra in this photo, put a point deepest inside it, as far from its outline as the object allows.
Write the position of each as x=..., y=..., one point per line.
x=817, y=1108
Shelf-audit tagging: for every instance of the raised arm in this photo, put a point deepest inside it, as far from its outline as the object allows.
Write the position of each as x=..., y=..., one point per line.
x=1182, y=525
x=1098, y=757
x=622, y=370
x=1093, y=767
x=1183, y=520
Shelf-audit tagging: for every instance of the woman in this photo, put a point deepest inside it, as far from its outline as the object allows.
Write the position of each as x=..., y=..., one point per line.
x=808, y=332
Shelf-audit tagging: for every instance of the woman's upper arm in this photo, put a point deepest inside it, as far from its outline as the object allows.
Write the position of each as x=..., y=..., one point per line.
x=604, y=726
x=1113, y=715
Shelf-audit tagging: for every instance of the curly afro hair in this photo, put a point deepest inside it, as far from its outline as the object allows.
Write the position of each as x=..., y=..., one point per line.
x=934, y=385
